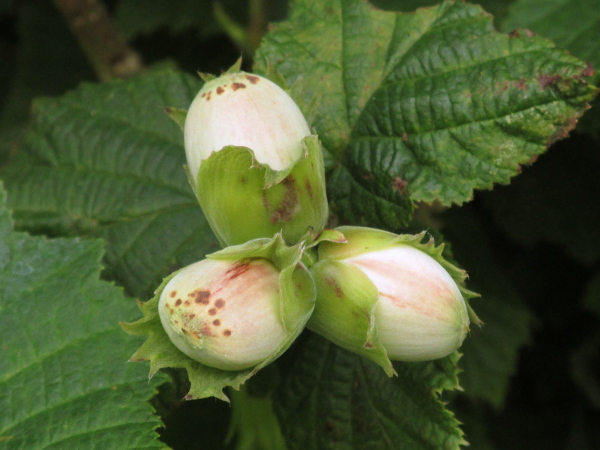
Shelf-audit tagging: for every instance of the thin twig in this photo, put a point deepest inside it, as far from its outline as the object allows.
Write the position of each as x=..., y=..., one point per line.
x=108, y=53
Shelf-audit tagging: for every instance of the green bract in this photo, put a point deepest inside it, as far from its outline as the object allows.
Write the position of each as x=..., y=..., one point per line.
x=227, y=316
x=389, y=297
x=252, y=161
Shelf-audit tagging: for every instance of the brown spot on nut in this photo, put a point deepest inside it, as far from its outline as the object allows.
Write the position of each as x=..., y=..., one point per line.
x=252, y=79
x=235, y=86
x=200, y=296
x=220, y=303
x=216, y=322
x=206, y=330
x=212, y=311
x=227, y=333
x=186, y=303
x=178, y=302
x=220, y=90
x=173, y=294
x=208, y=96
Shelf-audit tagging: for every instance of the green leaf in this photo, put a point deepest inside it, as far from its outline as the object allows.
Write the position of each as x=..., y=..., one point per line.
x=584, y=363
x=64, y=381
x=134, y=17
x=591, y=299
x=434, y=103
x=392, y=210
x=331, y=398
x=491, y=353
x=552, y=201
x=498, y=8
x=572, y=24
x=106, y=161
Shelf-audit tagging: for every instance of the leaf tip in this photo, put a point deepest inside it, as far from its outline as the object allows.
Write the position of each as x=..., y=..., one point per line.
x=206, y=77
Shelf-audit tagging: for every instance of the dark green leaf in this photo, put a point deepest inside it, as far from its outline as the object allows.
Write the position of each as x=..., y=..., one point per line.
x=554, y=201
x=498, y=8
x=591, y=299
x=392, y=210
x=490, y=353
x=584, y=368
x=434, y=104
x=64, y=380
x=572, y=24
x=106, y=161
x=331, y=398
x=42, y=66
x=135, y=17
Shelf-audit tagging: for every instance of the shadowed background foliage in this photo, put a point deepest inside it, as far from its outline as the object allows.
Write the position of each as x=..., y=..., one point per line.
x=531, y=248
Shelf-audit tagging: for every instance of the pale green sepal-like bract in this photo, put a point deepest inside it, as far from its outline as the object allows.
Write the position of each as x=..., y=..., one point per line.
x=177, y=115
x=243, y=199
x=296, y=303
x=344, y=312
x=313, y=239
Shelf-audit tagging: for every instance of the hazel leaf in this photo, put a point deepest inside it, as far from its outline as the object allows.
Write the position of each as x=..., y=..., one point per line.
x=105, y=161
x=429, y=106
x=63, y=380
x=331, y=398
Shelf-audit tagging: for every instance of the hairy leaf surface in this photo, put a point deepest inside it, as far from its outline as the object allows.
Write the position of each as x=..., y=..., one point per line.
x=331, y=398
x=490, y=353
x=64, y=380
x=572, y=24
x=106, y=161
x=430, y=105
